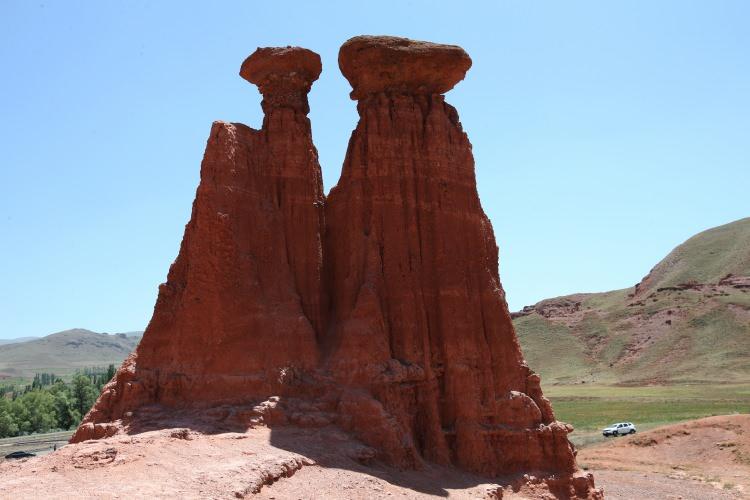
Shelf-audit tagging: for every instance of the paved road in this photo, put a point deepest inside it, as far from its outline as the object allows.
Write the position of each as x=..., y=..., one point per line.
x=40, y=444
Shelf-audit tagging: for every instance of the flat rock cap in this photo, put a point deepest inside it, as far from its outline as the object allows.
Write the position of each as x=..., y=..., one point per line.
x=292, y=64
x=386, y=63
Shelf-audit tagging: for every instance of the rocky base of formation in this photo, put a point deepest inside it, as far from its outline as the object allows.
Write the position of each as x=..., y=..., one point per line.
x=341, y=429
x=181, y=461
x=315, y=401
x=377, y=310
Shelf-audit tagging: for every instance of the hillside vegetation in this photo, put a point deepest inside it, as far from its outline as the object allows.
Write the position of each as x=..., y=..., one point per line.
x=49, y=403
x=65, y=353
x=688, y=321
x=707, y=257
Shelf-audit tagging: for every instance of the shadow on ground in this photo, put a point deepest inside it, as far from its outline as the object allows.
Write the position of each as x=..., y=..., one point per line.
x=328, y=446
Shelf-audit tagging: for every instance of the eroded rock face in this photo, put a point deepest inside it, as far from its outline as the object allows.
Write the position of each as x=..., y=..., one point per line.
x=379, y=310
x=241, y=306
x=391, y=64
x=418, y=312
x=283, y=75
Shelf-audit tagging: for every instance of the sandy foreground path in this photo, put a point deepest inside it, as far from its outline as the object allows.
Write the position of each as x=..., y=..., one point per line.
x=181, y=463
x=703, y=459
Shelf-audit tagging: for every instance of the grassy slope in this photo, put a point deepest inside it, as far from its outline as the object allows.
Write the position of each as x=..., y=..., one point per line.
x=672, y=336
x=617, y=359
x=708, y=339
x=706, y=257
x=552, y=351
x=63, y=353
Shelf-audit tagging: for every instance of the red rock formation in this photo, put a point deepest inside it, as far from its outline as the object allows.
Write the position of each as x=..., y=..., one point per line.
x=241, y=304
x=389, y=315
x=418, y=312
x=392, y=64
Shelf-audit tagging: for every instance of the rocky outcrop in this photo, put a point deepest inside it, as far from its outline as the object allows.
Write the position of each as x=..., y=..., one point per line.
x=379, y=310
x=553, y=308
x=418, y=312
x=398, y=65
x=241, y=305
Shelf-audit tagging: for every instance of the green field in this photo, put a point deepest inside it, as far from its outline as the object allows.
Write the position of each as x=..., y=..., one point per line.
x=589, y=408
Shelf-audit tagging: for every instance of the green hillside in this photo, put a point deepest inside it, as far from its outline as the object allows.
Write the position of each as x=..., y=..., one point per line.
x=64, y=353
x=685, y=323
x=707, y=257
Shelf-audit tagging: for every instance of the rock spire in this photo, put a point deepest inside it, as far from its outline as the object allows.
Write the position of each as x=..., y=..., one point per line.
x=378, y=310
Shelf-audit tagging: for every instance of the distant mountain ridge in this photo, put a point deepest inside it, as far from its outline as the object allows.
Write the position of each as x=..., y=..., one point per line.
x=63, y=353
x=16, y=340
x=688, y=320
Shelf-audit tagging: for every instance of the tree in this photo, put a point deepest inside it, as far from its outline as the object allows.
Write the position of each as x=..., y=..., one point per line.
x=8, y=426
x=66, y=415
x=82, y=393
x=21, y=415
x=66, y=418
x=49, y=403
x=39, y=414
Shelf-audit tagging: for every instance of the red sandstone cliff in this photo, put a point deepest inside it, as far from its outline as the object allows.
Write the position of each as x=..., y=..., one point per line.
x=379, y=310
x=418, y=313
x=241, y=304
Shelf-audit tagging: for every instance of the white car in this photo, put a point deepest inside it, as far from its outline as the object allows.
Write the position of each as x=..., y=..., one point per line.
x=619, y=429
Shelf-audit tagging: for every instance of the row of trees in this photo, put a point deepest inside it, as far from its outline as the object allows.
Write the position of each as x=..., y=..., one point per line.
x=49, y=403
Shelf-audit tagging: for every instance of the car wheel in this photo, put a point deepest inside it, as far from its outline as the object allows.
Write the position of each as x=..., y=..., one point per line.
x=632, y=431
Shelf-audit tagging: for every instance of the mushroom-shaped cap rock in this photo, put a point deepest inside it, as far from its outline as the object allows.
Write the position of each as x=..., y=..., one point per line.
x=268, y=67
x=385, y=63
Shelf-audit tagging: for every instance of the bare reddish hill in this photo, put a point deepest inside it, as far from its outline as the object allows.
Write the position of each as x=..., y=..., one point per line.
x=378, y=310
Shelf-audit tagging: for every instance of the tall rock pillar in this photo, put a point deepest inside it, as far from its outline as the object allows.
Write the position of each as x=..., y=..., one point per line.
x=418, y=312
x=241, y=306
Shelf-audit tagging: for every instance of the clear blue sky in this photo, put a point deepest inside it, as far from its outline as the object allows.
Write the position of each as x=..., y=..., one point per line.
x=605, y=133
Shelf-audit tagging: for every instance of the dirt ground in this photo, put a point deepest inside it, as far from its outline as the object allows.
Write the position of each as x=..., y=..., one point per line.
x=180, y=463
x=703, y=459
